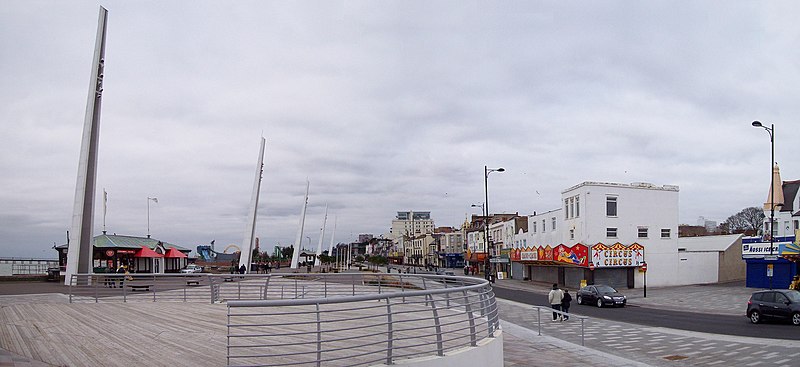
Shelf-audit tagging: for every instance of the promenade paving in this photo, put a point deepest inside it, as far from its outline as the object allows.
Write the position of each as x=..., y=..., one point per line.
x=560, y=343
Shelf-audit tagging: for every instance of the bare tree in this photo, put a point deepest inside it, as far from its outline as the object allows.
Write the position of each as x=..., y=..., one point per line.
x=748, y=221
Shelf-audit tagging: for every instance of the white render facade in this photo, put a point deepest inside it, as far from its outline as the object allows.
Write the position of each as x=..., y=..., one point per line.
x=645, y=214
x=594, y=213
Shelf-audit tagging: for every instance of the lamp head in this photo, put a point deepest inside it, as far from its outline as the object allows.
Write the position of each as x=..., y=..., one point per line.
x=757, y=124
x=501, y=169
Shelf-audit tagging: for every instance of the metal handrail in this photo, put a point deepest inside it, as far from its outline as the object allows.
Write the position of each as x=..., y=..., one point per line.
x=288, y=318
x=562, y=313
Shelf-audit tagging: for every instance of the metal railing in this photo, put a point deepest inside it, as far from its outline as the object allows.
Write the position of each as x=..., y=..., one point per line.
x=364, y=329
x=328, y=319
x=549, y=310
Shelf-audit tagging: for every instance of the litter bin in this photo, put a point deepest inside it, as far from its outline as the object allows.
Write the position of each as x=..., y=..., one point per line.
x=53, y=274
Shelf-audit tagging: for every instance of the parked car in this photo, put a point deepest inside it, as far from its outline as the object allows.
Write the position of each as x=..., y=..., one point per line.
x=600, y=295
x=192, y=268
x=777, y=304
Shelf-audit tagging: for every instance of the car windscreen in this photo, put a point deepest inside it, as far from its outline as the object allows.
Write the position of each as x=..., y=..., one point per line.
x=605, y=289
x=794, y=296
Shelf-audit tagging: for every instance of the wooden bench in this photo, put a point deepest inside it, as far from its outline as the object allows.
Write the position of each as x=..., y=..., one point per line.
x=139, y=287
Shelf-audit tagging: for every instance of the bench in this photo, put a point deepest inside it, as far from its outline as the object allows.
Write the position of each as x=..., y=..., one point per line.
x=139, y=287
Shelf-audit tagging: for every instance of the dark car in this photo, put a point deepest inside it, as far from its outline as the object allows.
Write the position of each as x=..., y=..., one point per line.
x=600, y=295
x=777, y=304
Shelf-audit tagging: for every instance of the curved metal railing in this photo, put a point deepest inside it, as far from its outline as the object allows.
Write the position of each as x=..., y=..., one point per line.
x=332, y=319
x=431, y=316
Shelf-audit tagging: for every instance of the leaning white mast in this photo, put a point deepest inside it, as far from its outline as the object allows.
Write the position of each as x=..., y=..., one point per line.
x=299, y=239
x=79, y=252
x=321, y=235
x=245, y=257
x=333, y=234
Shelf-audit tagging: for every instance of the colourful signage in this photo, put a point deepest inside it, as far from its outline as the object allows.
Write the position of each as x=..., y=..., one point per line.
x=617, y=256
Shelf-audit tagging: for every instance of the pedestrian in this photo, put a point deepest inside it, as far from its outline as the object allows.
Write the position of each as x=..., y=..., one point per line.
x=555, y=297
x=121, y=271
x=242, y=269
x=565, y=304
x=466, y=269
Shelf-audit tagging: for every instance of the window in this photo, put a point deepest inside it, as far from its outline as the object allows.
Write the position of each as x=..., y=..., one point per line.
x=572, y=234
x=611, y=206
x=611, y=232
x=577, y=206
x=534, y=227
x=566, y=208
x=642, y=232
x=554, y=224
x=665, y=233
x=572, y=207
x=796, y=225
x=543, y=225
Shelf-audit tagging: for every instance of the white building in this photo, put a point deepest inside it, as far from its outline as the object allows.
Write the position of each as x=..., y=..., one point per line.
x=710, y=259
x=613, y=228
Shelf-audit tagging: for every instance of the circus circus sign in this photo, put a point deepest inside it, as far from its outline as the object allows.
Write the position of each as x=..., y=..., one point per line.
x=617, y=255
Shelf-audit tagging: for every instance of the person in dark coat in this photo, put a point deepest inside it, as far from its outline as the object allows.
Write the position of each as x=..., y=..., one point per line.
x=565, y=304
x=242, y=269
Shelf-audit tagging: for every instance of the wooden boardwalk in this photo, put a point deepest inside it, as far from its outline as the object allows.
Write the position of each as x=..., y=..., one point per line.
x=47, y=328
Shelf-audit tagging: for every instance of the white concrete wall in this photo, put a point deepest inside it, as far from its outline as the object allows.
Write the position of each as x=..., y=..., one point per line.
x=654, y=207
x=698, y=267
x=488, y=353
x=548, y=236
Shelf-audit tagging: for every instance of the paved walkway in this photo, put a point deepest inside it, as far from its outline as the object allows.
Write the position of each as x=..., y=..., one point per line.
x=607, y=342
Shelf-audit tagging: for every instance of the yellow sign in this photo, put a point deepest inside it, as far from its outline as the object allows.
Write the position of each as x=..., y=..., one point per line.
x=583, y=283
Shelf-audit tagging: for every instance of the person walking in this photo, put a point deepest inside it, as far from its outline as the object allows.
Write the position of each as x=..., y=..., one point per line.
x=565, y=304
x=555, y=297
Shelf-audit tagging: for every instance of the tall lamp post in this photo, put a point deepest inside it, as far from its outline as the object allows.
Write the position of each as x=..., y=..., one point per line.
x=148, y=213
x=486, y=172
x=771, y=131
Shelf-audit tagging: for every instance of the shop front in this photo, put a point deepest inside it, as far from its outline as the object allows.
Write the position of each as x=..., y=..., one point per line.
x=578, y=265
x=615, y=265
x=770, y=268
x=561, y=264
x=476, y=262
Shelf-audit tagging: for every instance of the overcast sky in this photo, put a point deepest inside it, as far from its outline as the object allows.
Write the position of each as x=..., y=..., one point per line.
x=386, y=106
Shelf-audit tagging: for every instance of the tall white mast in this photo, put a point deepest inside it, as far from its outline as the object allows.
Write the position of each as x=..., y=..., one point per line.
x=245, y=257
x=299, y=239
x=321, y=235
x=80, y=250
x=330, y=247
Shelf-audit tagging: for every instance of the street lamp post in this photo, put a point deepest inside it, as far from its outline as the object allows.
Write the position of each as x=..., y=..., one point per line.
x=771, y=131
x=486, y=172
x=148, y=213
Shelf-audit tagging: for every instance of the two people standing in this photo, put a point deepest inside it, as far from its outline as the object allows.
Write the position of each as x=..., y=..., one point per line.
x=560, y=301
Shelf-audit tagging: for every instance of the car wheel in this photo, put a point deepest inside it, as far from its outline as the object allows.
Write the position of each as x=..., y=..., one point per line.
x=755, y=317
x=600, y=303
x=796, y=318
x=580, y=300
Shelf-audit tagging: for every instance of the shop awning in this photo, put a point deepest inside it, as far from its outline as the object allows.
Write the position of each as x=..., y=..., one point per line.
x=478, y=257
x=147, y=252
x=174, y=253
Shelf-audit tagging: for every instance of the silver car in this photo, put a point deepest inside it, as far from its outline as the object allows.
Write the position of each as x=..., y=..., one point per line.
x=192, y=268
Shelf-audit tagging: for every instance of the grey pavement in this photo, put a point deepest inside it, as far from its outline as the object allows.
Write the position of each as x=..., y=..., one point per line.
x=645, y=345
x=607, y=342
